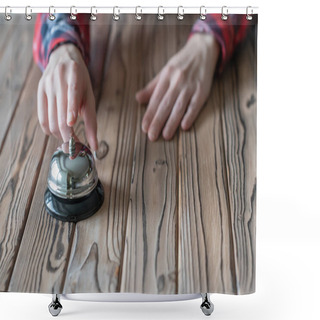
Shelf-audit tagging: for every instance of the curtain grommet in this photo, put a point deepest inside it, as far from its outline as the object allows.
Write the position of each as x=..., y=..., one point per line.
x=51, y=15
x=93, y=16
x=203, y=13
x=138, y=15
x=224, y=13
x=160, y=16
x=249, y=15
x=116, y=15
x=28, y=12
x=73, y=12
x=6, y=14
x=180, y=13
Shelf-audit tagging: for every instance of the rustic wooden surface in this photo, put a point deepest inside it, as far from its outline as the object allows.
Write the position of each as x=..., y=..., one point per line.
x=178, y=216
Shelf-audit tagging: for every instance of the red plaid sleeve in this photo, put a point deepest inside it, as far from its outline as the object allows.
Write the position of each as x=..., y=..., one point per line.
x=229, y=33
x=48, y=35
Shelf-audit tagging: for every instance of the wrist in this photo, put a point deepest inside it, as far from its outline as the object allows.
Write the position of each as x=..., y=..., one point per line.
x=206, y=42
x=65, y=51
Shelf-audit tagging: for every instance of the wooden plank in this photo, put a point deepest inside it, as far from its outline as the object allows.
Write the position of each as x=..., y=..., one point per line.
x=19, y=166
x=46, y=244
x=15, y=63
x=44, y=250
x=99, y=37
x=205, y=263
x=149, y=262
x=130, y=245
x=98, y=241
x=5, y=36
x=208, y=247
x=239, y=130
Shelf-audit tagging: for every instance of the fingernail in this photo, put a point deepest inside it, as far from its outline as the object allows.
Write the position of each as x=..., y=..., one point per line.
x=165, y=134
x=144, y=126
x=184, y=125
x=152, y=136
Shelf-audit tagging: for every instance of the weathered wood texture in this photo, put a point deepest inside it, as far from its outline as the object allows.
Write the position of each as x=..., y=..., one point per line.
x=217, y=188
x=20, y=161
x=15, y=64
x=149, y=264
x=239, y=121
x=98, y=242
x=42, y=257
x=178, y=216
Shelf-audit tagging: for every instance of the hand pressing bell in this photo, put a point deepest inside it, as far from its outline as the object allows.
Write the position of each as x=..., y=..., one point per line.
x=74, y=191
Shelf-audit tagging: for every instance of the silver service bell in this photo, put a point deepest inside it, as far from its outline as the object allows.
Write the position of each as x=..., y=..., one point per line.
x=74, y=191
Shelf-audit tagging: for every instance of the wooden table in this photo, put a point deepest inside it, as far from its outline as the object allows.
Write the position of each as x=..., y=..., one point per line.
x=178, y=216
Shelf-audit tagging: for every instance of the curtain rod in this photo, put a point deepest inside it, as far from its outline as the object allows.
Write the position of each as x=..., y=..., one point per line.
x=129, y=10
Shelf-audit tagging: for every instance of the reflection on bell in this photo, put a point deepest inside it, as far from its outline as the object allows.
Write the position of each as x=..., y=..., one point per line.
x=74, y=191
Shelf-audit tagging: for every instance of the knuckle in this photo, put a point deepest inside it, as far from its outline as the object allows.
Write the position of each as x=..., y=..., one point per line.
x=61, y=67
x=180, y=107
x=49, y=81
x=74, y=86
x=181, y=75
x=170, y=68
x=74, y=66
x=165, y=105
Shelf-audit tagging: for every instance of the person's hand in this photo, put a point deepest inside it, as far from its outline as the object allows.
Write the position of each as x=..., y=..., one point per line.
x=64, y=92
x=178, y=92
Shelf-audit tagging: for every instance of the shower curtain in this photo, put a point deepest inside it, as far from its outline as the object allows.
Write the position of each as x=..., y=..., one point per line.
x=174, y=104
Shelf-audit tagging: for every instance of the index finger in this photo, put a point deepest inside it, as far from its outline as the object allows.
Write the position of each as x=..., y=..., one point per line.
x=74, y=95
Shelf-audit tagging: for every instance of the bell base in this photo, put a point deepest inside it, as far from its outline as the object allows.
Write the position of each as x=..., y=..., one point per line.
x=74, y=210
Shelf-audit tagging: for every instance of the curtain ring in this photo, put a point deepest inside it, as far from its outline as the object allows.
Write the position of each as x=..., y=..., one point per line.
x=6, y=14
x=73, y=13
x=180, y=13
x=93, y=16
x=116, y=16
x=249, y=15
x=51, y=15
x=224, y=13
x=203, y=13
x=138, y=16
x=160, y=15
x=28, y=15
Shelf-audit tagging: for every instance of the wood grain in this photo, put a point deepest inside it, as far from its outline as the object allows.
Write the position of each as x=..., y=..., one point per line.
x=178, y=217
x=98, y=243
x=46, y=244
x=205, y=262
x=14, y=66
x=150, y=263
x=99, y=38
x=43, y=254
x=239, y=132
x=217, y=189
x=20, y=161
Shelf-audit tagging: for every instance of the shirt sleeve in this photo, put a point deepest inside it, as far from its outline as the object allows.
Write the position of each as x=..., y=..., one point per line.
x=229, y=33
x=48, y=35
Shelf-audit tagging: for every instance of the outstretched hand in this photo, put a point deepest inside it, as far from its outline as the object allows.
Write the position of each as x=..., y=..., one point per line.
x=176, y=95
x=64, y=92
